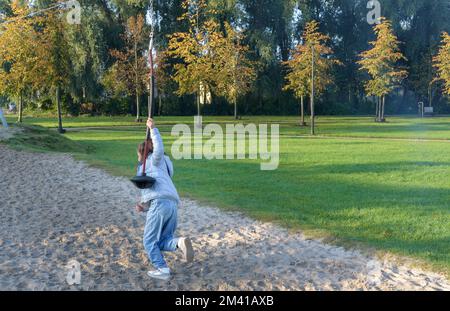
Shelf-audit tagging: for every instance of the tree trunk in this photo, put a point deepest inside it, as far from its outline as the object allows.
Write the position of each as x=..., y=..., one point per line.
x=430, y=99
x=382, y=108
x=349, y=95
x=58, y=104
x=198, y=104
x=377, y=118
x=235, y=110
x=377, y=115
x=198, y=124
x=159, y=104
x=302, y=112
x=20, y=107
x=138, y=112
x=312, y=95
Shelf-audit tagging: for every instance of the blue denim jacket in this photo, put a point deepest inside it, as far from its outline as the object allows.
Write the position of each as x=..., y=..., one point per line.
x=159, y=167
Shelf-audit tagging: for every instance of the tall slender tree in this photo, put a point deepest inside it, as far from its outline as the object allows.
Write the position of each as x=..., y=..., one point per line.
x=57, y=59
x=381, y=64
x=129, y=73
x=442, y=62
x=21, y=55
x=298, y=78
x=310, y=67
x=235, y=72
x=194, y=48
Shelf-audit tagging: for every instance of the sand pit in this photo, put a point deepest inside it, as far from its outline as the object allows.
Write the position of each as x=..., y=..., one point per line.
x=54, y=209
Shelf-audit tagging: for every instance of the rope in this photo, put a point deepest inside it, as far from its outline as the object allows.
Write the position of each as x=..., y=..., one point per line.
x=150, y=86
x=151, y=83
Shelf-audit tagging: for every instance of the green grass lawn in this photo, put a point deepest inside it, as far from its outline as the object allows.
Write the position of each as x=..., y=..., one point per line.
x=397, y=127
x=389, y=194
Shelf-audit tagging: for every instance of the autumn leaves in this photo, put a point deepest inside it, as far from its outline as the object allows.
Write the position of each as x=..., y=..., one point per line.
x=381, y=62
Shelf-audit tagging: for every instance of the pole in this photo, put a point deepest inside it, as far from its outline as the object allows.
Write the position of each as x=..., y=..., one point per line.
x=20, y=107
x=312, y=93
x=151, y=84
x=302, y=112
x=58, y=103
x=430, y=93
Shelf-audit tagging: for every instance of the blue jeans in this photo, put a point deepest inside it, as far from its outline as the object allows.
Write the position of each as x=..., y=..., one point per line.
x=159, y=231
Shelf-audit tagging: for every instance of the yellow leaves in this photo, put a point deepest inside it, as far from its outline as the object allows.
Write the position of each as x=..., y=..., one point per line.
x=20, y=52
x=312, y=36
x=299, y=66
x=193, y=11
x=135, y=30
x=442, y=62
x=235, y=73
x=380, y=61
x=195, y=50
x=212, y=58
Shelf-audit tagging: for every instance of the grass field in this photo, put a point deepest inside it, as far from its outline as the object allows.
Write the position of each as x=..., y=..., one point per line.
x=382, y=185
x=396, y=127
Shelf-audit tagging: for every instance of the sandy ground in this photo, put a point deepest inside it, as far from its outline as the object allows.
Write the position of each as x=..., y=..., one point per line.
x=7, y=133
x=54, y=209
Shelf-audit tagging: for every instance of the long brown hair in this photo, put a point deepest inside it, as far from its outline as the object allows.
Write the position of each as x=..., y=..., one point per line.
x=141, y=149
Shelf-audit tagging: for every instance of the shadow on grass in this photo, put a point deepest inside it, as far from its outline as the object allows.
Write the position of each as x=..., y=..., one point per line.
x=393, y=218
x=382, y=167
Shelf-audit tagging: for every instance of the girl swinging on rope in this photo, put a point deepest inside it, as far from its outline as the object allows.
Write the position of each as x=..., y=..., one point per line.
x=160, y=202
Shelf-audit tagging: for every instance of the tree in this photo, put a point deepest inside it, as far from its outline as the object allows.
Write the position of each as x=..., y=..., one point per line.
x=381, y=64
x=299, y=76
x=235, y=73
x=21, y=55
x=56, y=59
x=195, y=73
x=129, y=73
x=164, y=82
x=309, y=69
x=442, y=62
x=89, y=44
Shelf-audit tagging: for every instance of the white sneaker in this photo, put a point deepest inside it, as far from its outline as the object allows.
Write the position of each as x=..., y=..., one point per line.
x=160, y=274
x=185, y=245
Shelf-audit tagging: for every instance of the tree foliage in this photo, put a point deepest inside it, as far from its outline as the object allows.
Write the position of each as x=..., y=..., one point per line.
x=381, y=63
x=298, y=78
x=235, y=72
x=271, y=29
x=442, y=62
x=300, y=66
x=21, y=53
x=194, y=49
x=24, y=54
x=129, y=74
